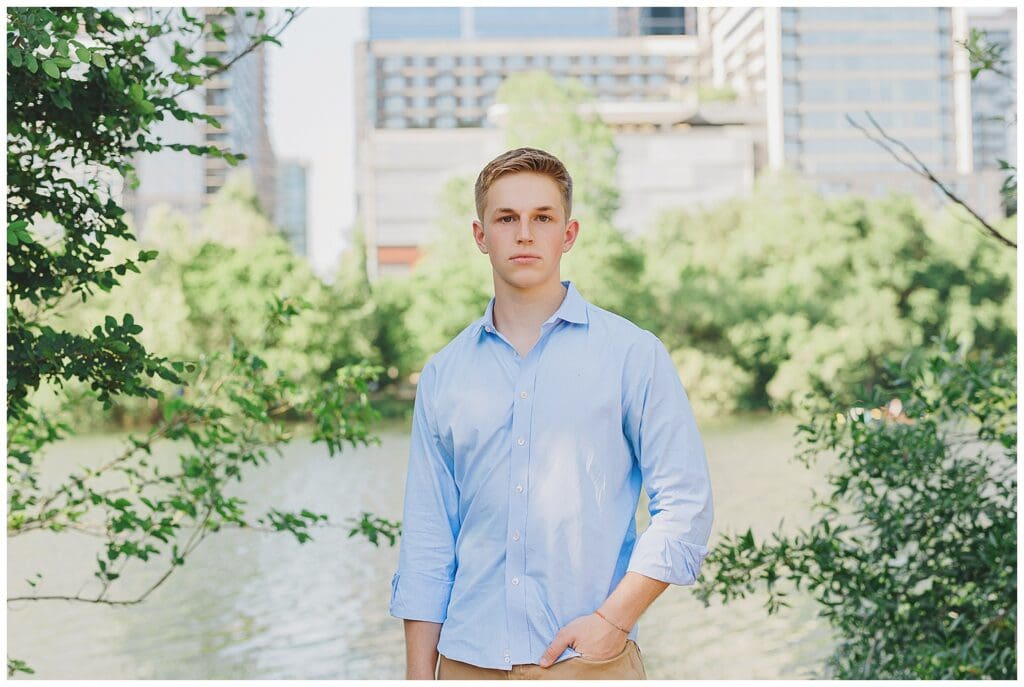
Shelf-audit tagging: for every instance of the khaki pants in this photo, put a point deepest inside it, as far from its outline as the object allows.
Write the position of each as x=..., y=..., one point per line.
x=628, y=665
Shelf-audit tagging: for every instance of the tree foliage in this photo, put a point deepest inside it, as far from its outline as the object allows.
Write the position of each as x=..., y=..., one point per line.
x=913, y=557
x=82, y=99
x=789, y=287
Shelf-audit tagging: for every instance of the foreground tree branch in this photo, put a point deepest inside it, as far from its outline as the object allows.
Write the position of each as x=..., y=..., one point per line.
x=921, y=169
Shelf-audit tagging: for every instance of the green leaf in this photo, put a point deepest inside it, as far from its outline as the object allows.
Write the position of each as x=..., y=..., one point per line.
x=50, y=67
x=14, y=56
x=83, y=55
x=98, y=60
x=31, y=63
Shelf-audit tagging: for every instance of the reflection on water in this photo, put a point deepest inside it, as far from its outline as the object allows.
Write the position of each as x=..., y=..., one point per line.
x=257, y=605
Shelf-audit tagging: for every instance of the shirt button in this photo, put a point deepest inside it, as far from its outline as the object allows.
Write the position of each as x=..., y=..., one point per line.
x=508, y=659
x=515, y=536
x=523, y=394
x=488, y=328
x=520, y=441
x=515, y=580
x=519, y=488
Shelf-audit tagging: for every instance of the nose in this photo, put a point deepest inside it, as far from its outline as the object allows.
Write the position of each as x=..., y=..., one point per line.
x=524, y=235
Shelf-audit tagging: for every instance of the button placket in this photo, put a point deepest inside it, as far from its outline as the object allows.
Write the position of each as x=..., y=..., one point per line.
x=519, y=470
x=522, y=417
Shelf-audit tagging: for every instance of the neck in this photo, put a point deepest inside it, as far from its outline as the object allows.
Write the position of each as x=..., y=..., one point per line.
x=525, y=309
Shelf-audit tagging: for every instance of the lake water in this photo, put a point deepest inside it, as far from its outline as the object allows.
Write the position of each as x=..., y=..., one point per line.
x=253, y=605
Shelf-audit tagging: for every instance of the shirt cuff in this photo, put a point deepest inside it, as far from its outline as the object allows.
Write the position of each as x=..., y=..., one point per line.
x=417, y=597
x=669, y=559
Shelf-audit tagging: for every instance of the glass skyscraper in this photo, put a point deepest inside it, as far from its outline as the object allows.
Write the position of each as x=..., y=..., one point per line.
x=894, y=62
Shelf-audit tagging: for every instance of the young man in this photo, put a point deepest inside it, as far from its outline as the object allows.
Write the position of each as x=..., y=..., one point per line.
x=533, y=430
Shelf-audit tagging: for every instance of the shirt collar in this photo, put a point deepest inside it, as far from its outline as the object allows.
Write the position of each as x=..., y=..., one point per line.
x=572, y=309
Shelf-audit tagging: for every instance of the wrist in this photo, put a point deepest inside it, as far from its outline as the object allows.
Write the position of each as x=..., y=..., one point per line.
x=611, y=621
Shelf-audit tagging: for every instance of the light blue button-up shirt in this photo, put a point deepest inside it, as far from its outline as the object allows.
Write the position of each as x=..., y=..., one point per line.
x=524, y=478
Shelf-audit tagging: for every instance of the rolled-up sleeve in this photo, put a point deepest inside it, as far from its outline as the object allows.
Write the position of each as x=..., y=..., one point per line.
x=421, y=587
x=659, y=423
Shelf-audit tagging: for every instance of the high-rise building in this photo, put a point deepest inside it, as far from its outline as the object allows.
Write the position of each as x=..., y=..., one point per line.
x=994, y=95
x=237, y=98
x=811, y=67
x=443, y=84
x=292, y=203
x=439, y=67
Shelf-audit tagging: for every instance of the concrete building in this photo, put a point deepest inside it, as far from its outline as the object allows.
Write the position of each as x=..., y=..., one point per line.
x=293, y=203
x=809, y=68
x=237, y=98
x=446, y=84
x=670, y=155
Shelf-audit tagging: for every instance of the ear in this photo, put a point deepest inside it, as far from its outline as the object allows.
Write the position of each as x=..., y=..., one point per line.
x=478, y=236
x=572, y=230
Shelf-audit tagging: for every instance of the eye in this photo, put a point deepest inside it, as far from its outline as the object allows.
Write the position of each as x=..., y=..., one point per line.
x=502, y=219
x=545, y=218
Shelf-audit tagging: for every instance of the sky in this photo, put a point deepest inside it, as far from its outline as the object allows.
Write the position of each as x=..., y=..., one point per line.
x=310, y=116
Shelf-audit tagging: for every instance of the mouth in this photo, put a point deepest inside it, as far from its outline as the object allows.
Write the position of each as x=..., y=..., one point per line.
x=524, y=259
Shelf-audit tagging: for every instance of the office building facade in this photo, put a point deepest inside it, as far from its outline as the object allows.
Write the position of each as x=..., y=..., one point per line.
x=441, y=84
x=811, y=67
x=237, y=98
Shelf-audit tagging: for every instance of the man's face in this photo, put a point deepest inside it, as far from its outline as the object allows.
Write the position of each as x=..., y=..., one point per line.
x=524, y=230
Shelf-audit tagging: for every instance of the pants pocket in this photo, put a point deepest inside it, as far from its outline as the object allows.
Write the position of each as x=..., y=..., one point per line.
x=625, y=651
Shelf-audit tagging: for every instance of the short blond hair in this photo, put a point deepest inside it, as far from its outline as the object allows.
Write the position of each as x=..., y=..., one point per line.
x=523, y=160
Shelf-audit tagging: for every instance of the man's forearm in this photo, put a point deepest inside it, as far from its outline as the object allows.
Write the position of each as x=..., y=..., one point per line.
x=632, y=596
x=421, y=655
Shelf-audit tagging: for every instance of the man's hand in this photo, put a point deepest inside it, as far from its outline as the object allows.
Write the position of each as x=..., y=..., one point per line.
x=590, y=635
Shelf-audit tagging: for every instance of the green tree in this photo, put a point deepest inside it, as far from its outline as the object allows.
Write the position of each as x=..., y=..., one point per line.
x=82, y=97
x=790, y=287
x=913, y=557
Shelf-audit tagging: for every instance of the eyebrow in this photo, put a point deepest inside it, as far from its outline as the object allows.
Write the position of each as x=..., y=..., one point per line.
x=545, y=208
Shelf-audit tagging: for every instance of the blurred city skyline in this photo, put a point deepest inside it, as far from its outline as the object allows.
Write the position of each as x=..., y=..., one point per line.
x=404, y=95
x=310, y=110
